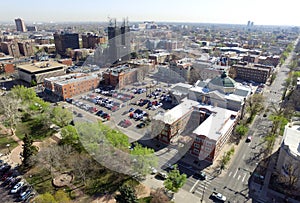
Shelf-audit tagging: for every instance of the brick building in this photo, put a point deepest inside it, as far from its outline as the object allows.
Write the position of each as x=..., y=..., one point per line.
x=64, y=41
x=257, y=73
x=11, y=48
x=206, y=128
x=70, y=85
x=90, y=41
x=123, y=75
x=25, y=48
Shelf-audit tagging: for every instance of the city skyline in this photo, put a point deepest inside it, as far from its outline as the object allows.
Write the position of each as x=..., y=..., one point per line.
x=265, y=12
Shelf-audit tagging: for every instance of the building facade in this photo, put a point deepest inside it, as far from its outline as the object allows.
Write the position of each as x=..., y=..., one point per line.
x=257, y=73
x=35, y=73
x=90, y=41
x=26, y=48
x=11, y=48
x=64, y=41
x=206, y=127
x=70, y=85
x=289, y=154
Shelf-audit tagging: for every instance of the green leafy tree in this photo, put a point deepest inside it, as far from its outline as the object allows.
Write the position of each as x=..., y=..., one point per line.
x=144, y=158
x=61, y=117
x=28, y=150
x=127, y=195
x=70, y=137
x=241, y=130
x=175, y=180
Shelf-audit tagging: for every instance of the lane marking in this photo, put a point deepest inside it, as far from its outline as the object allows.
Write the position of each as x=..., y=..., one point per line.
x=194, y=185
x=239, y=177
x=235, y=173
x=230, y=173
x=244, y=177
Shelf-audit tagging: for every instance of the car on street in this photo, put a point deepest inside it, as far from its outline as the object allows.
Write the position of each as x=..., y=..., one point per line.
x=218, y=196
x=201, y=175
x=249, y=138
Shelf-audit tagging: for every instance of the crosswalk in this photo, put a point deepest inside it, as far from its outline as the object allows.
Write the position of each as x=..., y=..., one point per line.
x=198, y=187
x=235, y=179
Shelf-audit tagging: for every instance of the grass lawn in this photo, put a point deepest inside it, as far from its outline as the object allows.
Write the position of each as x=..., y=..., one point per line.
x=40, y=179
x=7, y=140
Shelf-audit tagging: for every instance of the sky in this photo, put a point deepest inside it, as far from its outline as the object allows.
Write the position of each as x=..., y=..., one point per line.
x=261, y=12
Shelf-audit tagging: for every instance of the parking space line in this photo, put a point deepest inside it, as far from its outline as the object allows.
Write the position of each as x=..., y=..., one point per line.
x=235, y=173
x=194, y=185
x=245, y=174
x=230, y=173
x=239, y=177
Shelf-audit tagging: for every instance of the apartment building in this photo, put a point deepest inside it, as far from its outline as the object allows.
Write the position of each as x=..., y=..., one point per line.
x=252, y=72
x=64, y=41
x=70, y=85
x=123, y=75
x=206, y=127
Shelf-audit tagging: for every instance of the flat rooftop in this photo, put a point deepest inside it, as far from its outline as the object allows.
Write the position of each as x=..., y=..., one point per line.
x=38, y=66
x=217, y=124
x=177, y=112
x=71, y=78
x=292, y=137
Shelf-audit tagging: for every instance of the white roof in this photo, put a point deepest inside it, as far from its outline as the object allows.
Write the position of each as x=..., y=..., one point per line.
x=292, y=138
x=177, y=112
x=217, y=124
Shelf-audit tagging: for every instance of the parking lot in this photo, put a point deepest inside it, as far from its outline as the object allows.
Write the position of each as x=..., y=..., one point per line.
x=130, y=109
x=13, y=188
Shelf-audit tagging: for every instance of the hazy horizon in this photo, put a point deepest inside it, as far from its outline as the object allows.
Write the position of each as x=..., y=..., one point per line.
x=264, y=12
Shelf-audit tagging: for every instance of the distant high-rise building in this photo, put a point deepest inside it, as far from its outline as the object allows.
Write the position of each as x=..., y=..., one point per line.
x=118, y=41
x=65, y=41
x=90, y=41
x=20, y=25
x=31, y=28
x=248, y=24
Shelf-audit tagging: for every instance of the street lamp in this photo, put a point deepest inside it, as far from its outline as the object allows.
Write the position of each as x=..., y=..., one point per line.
x=8, y=145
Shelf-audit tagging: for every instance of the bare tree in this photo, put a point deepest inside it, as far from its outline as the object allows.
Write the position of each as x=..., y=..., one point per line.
x=159, y=196
x=10, y=108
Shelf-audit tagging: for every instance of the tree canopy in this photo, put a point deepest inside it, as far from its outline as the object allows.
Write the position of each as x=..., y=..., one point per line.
x=175, y=180
x=127, y=195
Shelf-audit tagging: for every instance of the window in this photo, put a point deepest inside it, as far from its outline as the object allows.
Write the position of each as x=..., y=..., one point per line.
x=207, y=149
x=208, y=144
x=198, y=139
x=196, y=145
x=196, y=151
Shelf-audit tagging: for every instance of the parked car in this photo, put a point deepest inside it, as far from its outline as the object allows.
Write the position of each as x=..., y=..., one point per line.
x=17, y=187
x=249, y=138
x=162, y=175
x=25, y=194
x=141, y=125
